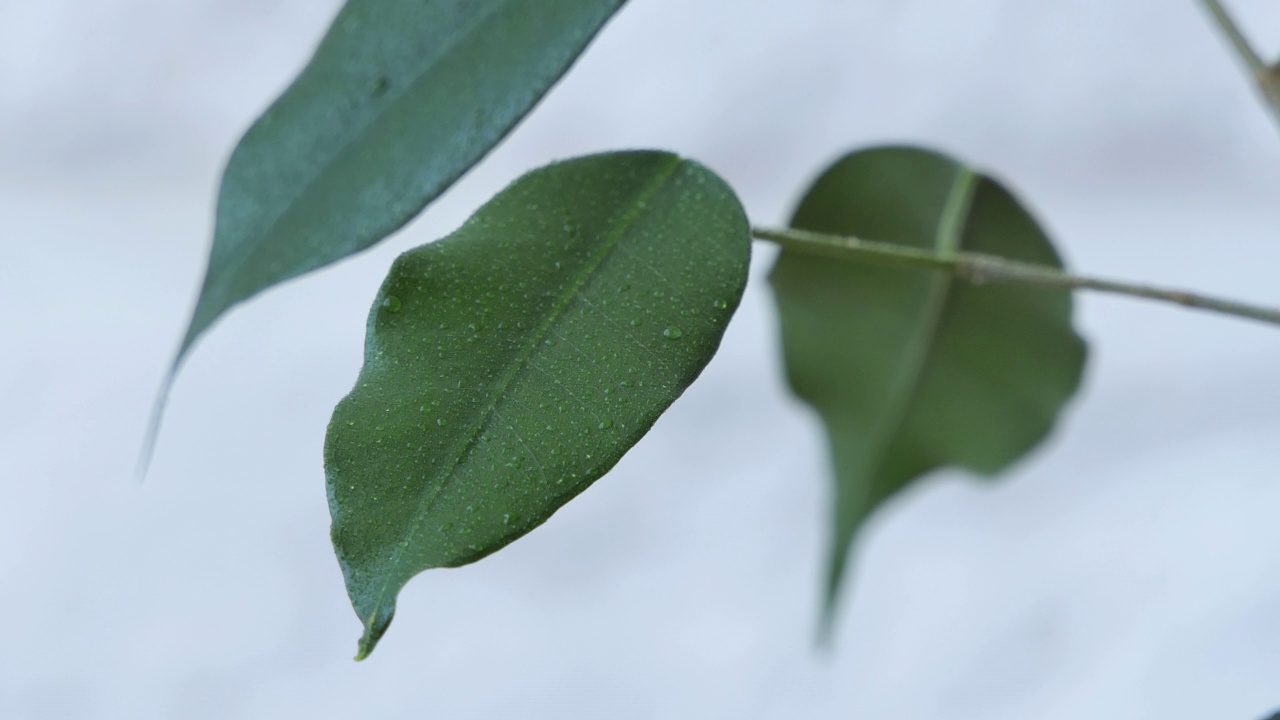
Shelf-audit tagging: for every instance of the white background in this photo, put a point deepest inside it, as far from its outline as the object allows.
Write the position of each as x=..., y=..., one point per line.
x=1128, y=570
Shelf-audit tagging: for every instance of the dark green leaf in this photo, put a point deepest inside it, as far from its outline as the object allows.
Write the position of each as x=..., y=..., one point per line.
x=914, y=371
x=512, y=364
x=401, y=98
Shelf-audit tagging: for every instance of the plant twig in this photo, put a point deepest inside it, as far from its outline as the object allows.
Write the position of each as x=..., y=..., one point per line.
x=1266, y=77
x=981, y=268
x=1241, y=44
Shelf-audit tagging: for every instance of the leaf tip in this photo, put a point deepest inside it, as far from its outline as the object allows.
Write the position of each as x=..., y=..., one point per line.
x=194, y=327
x=148, y=450
x=824, y=638
x=824, y=635
x=374, y=629
x=367, y=643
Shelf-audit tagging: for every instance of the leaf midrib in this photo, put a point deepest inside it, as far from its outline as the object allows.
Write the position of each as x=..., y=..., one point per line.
x=948, y=237
x=625, y=224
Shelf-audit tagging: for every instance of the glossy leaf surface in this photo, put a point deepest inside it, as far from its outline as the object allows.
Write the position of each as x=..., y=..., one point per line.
x=913, y=371
x=511, y=364
x=400, y=99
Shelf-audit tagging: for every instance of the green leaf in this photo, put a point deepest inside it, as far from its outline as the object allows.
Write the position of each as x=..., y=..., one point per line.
x=401, y=98
x=914, y=371
x=511, y=364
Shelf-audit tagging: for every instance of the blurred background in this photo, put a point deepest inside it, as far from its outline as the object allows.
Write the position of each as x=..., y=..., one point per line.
x=1129, y=569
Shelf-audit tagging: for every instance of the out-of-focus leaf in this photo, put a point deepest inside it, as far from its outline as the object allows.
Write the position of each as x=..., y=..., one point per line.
x=401, y=98
x=512, y=364
x=914, y=371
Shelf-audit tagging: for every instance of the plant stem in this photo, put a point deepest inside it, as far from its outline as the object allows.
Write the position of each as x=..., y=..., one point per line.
x=1263, y=74
x=979, y=268
x=1241, y=44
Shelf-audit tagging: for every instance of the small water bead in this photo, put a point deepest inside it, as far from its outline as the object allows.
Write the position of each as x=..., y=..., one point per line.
x=721, y=304
x=637, y=322
x=673, y=333
x=442, y=422
x=606, y=424
x=391, y=303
